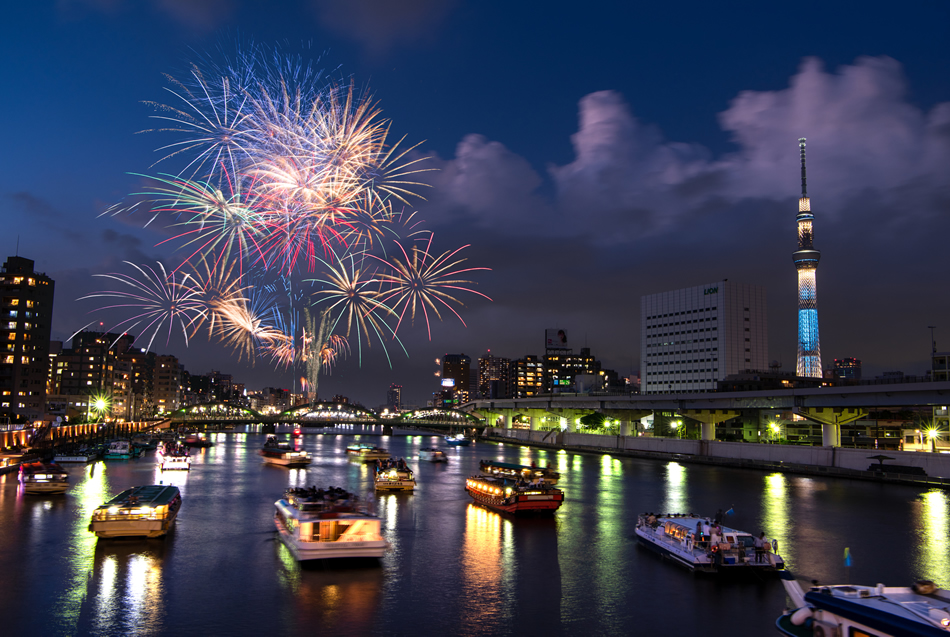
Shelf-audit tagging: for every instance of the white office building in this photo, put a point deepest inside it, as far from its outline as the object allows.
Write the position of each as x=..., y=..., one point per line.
x=692, y=338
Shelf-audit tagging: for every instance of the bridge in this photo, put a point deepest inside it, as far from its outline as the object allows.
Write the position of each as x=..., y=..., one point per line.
x=830, y=407
x=320, y=415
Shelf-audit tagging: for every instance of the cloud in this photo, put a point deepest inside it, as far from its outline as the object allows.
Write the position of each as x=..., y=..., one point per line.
x=380, y=24
x=34, y=206
x=198, y=15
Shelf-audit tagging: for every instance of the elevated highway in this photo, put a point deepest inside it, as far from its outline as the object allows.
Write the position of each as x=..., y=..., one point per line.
x=831, y=407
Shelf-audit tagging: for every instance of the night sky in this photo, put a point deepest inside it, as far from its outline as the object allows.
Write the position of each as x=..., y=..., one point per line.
x=590, y=153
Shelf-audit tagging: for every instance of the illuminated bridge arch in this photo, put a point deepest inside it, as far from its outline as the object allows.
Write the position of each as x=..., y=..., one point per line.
x=441, y=416
x=214, y=411
x=328, y=412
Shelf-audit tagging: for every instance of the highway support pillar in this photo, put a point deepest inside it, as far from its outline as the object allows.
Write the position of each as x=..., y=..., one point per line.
x=831, y=419
x=709, y=419
x=629, y=419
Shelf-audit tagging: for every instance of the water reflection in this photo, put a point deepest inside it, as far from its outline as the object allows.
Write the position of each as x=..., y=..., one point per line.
x=129, y=589
x=775, y=514
x=483, y=600
x=933, y=561
x=676, y=500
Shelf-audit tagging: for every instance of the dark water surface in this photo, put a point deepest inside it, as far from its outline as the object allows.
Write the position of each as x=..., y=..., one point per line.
x=454, y=568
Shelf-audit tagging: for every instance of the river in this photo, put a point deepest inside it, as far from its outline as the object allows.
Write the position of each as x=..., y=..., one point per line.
x=454, y=568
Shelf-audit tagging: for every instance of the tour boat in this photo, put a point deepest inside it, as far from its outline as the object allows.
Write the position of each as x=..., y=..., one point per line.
x=120, y=450
x=319, y=524
x=173, y=457
x=458, y=440
x=43, y=477
x=516, y=471
x=276, y=452
x=146, y=511
x=430, y=454
x=366, y=453
x=514, y=496
x=196, y=440
x=687, y=539
x=81, y=455
x=882, y=611
x=394, y=475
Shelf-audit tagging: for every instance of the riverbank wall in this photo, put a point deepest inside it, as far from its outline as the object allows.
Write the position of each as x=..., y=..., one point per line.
x=908, y=467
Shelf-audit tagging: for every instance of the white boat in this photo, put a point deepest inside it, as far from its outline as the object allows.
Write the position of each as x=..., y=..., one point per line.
x=458, y=440
x=43, y=477
x=317, y=524
x=281, y=453
x=689, y=540
x=850, y=610
x=394, y=475
x=431, y=454
x=173, y=457
x=119, y=450
x=83, y=456
x=146, y=511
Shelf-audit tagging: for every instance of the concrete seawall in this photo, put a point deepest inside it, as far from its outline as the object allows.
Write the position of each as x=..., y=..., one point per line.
x=825, y=461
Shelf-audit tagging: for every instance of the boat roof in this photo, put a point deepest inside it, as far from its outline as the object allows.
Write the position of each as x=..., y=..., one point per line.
x=41, y=467
x=898, y=611
x=148, y=495
x=508, y=465
x=690, y=520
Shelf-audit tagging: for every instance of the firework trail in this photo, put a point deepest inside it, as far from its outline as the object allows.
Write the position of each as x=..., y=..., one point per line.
x=284, y=175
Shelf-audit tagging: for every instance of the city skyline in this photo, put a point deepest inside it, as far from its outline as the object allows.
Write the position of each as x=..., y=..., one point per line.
x=585, y=179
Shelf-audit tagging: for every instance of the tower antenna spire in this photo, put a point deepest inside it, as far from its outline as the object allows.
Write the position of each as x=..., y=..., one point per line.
x=801, y=145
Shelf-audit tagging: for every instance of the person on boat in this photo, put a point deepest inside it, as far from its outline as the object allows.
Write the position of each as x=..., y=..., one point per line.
x=699, y=533
x=759, y=545
x=718, y=518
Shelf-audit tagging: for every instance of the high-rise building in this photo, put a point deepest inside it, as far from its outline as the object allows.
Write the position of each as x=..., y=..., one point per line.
x=394, y=397
x=561, y=367
x=456, y=368
x=166, y=389
x=527, y=377
x=692, y=338
x=494, y=376
x=847, y=369
x=806, y=262
x=26, y=314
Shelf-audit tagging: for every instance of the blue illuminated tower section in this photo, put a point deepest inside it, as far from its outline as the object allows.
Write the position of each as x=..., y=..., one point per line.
x=806, y=262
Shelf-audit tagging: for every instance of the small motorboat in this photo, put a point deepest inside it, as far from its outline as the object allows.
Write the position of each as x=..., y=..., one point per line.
x=43, y=477
x=196, y=440
x=394, y=475
x=529, y=473
x=281, y=453
x=458, y=440
x=431, y=454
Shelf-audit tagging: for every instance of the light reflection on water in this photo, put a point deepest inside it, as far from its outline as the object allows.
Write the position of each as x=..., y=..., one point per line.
x=933, y=512
x=676, y=500
x=481, y=568
x=775, y=516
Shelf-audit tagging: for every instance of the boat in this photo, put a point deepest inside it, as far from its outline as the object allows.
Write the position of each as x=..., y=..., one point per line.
x=514, y=496
x=394, y=475
x=83, y=455
x=319, y=524
x=458, y=440
x=120, y=450
x=883, y=611
x=146, y=511
x=196, y=440
x=704, y=547
x=144, y=442
x=366, y=452
x=173, y=457
x=530, y=473
x=43, y=477
x=281, y=453
x=431, y=454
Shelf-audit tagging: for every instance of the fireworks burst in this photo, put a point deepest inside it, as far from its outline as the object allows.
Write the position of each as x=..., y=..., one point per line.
x=283, y=172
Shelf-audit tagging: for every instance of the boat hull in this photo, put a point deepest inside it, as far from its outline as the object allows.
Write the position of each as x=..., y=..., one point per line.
x=287, y=462
x=45, y=488
x=395, y=485
x=175, y=464
x=309, y=551
x=82, y=458
x=133, y=528
x=519, y=504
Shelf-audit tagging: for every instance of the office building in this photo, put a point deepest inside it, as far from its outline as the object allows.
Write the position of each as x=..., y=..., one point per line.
x=561, y=367
x=26, y=304
x=527, y=377
x=456, y=369
x=690, y=339
x=847, y=369
x=494, y=377
x=394, y=397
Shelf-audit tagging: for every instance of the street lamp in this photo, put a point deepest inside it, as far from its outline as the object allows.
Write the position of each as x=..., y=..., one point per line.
x=675, y=425
x=933, y=434
x=774, y=427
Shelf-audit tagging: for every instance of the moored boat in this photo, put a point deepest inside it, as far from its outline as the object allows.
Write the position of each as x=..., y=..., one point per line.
x=530, y=473
x=196, y=440
x=146, y=511
x=458, y=440
x=120, y=450
x=883, y=611
x=82, y=455
x=43, y=477
x=281, y=453
x=431, y=454
x=318, y=524
x=514, y=496
x=701, y=545
x=394, y=475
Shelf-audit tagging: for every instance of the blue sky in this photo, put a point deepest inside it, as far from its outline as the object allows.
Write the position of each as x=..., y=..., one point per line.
x=589, y=153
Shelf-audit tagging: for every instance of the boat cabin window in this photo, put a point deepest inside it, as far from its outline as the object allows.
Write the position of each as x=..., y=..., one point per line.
x=747, y=541
x=857, y=632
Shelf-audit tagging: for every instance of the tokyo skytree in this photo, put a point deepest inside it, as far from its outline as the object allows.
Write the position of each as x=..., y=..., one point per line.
x=806, y=262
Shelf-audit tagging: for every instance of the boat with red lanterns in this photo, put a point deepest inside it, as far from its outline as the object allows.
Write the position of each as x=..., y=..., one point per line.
x=514, y=496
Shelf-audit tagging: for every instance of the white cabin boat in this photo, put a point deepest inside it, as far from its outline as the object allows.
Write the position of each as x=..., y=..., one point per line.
x=175, y=460
x=431, y=454
x=688, y=539
x=458, y=440
x=146, y=511
x=43, y=478
x=882, y=611
x=281, y=453
x=119, y=450
x=317, y=524
x=84, y=456
x=394, y=475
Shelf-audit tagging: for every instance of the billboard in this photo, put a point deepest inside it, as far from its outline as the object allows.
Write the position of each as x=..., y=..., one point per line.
x=555, y=339
x=448, y=382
